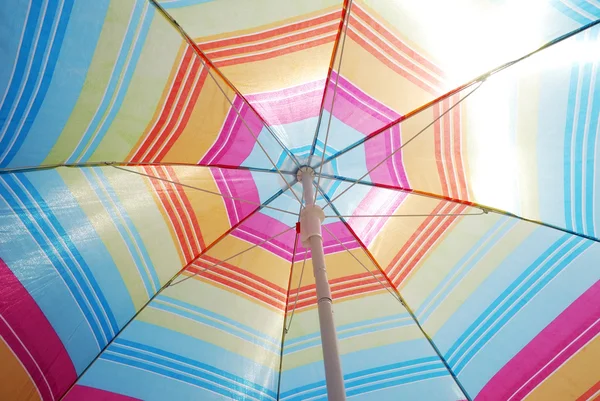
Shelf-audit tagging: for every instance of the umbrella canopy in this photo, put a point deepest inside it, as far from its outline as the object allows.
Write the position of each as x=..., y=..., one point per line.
x=149, y=198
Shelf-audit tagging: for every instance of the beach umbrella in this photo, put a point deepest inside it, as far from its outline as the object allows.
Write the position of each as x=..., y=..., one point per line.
x=299, y=200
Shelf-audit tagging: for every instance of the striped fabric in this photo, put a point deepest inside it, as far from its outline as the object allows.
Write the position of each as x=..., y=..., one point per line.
x=149, y=201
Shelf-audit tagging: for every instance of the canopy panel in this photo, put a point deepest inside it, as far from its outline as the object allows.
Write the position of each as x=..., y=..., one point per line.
x=524, y=142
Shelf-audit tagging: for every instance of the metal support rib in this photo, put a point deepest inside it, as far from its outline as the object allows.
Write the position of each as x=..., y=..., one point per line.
x=403, y=301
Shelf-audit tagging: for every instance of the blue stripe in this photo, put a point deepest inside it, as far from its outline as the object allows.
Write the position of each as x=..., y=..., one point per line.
x=579, y=134
x=347, y=331
x=159, y=355
x=222, y=318
x=574, y=15
x=80, y=274
x=452, y=352
x=32, y=79
x=114, y=80
x=379, y=378
x=208, y=322
x=46, y=246
x=475, y=254
x=101, y=182
x=512, y=305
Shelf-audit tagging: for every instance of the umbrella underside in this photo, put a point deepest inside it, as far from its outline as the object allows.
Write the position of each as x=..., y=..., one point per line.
x=149, y=200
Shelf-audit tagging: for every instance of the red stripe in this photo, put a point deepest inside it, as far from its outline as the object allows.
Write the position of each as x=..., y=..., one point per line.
x=389, y=36
x=270, y=33
x=31, y=337
x=391, y=52
x=462, y=184
x=186, y=116
x=239, y=271
x=179, y=109
x=169, y=104
x=271, y=44
x=193, y=221
x=449, y=164
x=180, y=207
x=161, y=193
x=276, y=53
x=440, y=230
x=438, y=150
x=588, y=394
x=356, y=38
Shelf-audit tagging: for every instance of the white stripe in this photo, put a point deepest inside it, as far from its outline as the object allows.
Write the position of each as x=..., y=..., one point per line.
x=165, y=190
x=176, y=371
x=115, y=207
x=154, y=126
x=42, y=373
x=552, y=360
x=67, y=271
x=449, y=280
x=27, y=70
x=570, y=249
x=184, y=109
x=115, y=94
x=40, y=76
x=585, y=150
x=574, y=145
x=19, y=48
x=185, y=209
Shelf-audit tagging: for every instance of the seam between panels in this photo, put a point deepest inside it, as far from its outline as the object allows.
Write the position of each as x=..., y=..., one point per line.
x=406, y=306
x=460, y=88
x=166, y=285
x=345, y=10
x=486, y=209
x=211, y=65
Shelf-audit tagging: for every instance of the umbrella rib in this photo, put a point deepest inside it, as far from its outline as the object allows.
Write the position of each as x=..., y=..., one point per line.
x=166, y=285
x=22, y=169
x=363, y=265
x=231, y=257
x=406, y=143
x=402, y=300
x=289, y=324
x=204, y=190
x=409, y=215
x=205, y=60
x=485, y=208
x=463, y=87
x=337, y=77
x=345, y=19
x=283, y=330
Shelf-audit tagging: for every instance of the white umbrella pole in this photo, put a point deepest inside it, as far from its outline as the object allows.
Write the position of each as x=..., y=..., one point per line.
x=310, y=228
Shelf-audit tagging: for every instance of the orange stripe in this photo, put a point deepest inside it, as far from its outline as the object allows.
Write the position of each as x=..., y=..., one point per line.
x=16, y=382
x=438, y=150
x=269, y=33
x=449, y=164
x=462, y=184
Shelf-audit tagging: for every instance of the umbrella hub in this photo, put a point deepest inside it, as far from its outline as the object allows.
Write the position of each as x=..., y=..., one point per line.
x=305, y=170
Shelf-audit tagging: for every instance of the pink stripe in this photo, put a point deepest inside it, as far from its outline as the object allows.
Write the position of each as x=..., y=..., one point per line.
x=392, y=172
x=235, y=142
x=80, y=393
x=237, y=184
x=377, y=201
x=289, y=105
x=357, y=109
x=29, y=334
x=527, y=369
